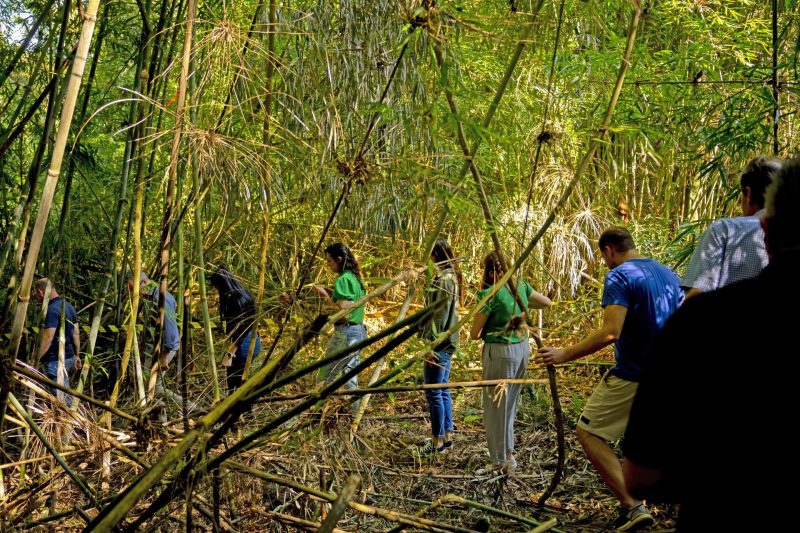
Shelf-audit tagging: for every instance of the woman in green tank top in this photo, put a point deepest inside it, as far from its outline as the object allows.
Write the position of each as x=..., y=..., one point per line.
x=506, y=351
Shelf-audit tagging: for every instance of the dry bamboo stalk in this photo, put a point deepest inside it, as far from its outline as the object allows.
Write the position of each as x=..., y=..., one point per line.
x=57, y=456
x=340, y=504
x=97, y=403
x=297, y=522
x=41, y=458
x=545, y=526
x=68, y=109
x=412, y=388
x=393, y=516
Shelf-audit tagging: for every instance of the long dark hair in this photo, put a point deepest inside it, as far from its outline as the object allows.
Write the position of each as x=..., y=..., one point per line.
x=236, y=305
x=443, y=255
x=346, y=260
x=492, y=271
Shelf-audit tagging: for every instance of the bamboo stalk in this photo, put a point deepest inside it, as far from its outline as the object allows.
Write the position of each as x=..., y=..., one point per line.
x=23, y=46
x=339, y=506
x=411, y=388
x=49, y=190
x=59, y=459
x=50, y=383
x=393, y=516
x=198, y=243
x=122, y=505
x=297, y=522
x=267, y=178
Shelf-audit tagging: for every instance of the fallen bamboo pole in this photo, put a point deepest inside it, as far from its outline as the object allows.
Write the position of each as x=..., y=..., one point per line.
x=297, y=522
x=412, y=388
x=341, y=503
x=393, y=516
x=50, y=383
x=59, y=459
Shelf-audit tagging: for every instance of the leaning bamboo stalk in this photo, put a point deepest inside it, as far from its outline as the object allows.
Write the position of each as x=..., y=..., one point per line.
x=393, y=516
x=60, y=460
x=52, y=109
x=23, y=46
x=122, y=201
x=169, y=199
x=412, y=388
x=198, y=243
x=267, y=177
x=143, y=120
x=89, y=18
x=30, y=374
x=340, y=504
x=376, y=373
x=468, y=164
x=244, y=395
x=111, y=514
x=297, y=522
x=493, y=510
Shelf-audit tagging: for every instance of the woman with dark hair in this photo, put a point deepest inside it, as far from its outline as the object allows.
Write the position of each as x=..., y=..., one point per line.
x=348, y=288
x=237, y=309
x=501, y=325
x=446, y=287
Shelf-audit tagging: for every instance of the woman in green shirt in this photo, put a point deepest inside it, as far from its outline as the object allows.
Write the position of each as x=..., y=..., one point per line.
x=349, y=330
x=501, y=325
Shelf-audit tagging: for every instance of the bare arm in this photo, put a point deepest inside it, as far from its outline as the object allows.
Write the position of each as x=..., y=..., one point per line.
x=323, y=293
x=613, y=320
x=76, y=340
x=47, y=340
x=478, y=324
x=537, y=300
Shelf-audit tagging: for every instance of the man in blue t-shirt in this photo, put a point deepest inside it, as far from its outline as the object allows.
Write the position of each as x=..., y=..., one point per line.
x=639, y=294
x=48, y=350
x=171, y=339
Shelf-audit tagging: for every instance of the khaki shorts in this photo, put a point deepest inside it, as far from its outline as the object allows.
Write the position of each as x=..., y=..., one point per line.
x=606, y=413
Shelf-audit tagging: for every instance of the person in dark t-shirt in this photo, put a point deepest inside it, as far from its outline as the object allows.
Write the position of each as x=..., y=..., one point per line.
x=705, y=433
x=48, y=350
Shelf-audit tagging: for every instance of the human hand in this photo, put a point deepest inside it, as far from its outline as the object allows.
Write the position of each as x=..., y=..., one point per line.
x=320, y=291
x=78, y=364
x=551, y=356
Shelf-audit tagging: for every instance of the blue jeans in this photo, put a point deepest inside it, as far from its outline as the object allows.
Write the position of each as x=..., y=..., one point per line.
x=51, y=371
x=439, y=401
x=236, y=369
x=343, y=337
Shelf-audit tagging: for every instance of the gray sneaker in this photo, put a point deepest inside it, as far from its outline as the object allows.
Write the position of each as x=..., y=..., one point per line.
x=633, y=518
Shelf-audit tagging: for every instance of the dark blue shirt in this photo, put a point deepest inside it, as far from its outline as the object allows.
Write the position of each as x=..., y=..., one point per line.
x=651, y=292
x=53, y=320
x=172, y=338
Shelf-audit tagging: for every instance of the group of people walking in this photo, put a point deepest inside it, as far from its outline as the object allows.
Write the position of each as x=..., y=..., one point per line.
x=639, y=297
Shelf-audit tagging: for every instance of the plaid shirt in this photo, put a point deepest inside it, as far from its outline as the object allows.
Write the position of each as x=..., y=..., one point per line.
x=732, y=249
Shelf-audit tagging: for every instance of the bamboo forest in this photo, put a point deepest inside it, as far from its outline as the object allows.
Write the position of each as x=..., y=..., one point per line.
x=384, y=265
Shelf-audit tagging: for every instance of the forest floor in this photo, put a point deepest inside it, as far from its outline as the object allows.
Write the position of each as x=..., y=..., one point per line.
x=318, y=452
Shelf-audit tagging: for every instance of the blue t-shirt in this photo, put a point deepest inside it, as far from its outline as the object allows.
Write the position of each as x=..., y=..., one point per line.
x=651, y=292
x=53, y=320
x=172, y=337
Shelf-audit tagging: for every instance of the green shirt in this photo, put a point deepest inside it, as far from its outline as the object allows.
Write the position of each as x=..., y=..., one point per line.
x=348, y=288
x=500, y=309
